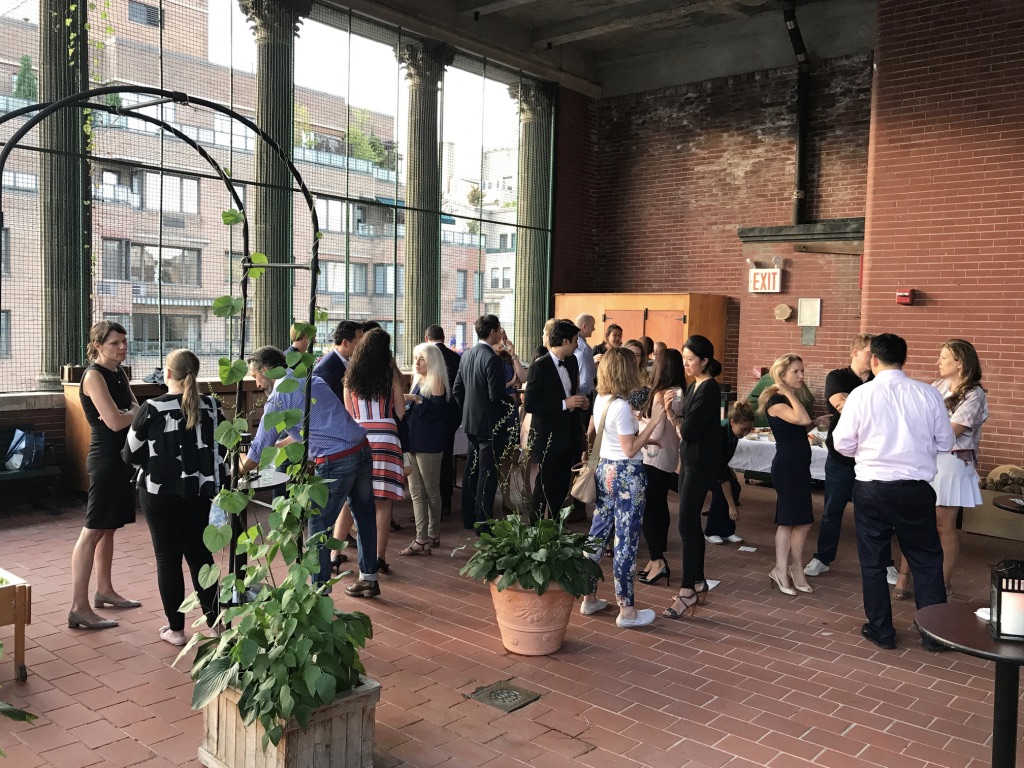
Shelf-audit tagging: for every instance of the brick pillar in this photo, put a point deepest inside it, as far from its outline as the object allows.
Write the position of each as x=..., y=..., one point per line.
x=274, y=24
x=424, y=64
x=534, y=210
x=66, y=262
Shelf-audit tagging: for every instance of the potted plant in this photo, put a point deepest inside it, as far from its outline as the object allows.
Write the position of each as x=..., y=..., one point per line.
x=284, y=670
x=536, y=573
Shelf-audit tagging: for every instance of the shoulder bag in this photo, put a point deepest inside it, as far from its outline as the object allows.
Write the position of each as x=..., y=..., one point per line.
x=584, y=486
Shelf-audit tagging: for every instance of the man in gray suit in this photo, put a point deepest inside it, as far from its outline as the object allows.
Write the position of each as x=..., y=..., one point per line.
x=480, y=391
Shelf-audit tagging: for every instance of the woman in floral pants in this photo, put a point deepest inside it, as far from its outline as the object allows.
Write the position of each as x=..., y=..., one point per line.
x=621, y=481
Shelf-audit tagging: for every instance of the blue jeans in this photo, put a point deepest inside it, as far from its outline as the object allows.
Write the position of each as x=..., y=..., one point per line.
x=839, y=479
x=352, y=481
x=621, y=494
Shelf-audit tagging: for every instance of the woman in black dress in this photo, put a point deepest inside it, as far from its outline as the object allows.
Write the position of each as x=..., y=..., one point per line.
x=171, y=439
x=699, y=457
x=109, y=407
x=791, y=472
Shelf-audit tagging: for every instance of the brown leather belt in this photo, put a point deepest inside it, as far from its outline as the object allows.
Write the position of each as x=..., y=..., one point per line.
x=341, y=454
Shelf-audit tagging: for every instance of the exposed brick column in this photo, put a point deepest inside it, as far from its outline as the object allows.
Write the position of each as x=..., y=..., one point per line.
x=274, y=24
x=66, y=263
x=534, y=209
x=424, y=64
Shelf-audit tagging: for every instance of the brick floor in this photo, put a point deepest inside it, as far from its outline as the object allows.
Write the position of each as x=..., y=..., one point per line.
x=755, y=679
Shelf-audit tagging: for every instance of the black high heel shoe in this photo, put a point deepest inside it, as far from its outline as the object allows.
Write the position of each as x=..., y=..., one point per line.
x=395, y=526
x=336, y=562
x=382, y=566
x=702, y=593
x=665, y=572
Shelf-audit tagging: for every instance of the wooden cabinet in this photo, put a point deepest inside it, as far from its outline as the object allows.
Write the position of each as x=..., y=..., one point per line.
x=668, y=317
x=78, y=433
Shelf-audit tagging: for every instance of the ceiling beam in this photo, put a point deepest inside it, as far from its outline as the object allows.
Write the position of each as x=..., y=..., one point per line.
x=648, y=14
x=484, y=7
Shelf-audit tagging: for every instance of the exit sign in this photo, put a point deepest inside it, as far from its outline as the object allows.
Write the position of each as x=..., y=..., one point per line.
x=765, y=281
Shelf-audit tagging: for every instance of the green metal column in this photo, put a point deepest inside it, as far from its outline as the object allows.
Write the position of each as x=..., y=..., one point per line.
x=534, y=208
x=274, y=24
x=66, y=282
x=424, y=64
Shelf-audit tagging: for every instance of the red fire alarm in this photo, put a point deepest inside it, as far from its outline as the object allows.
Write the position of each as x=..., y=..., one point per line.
x=905, y=296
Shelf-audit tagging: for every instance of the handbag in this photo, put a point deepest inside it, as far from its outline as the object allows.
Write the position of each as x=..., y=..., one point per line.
x=26, y=450
x=218, y=515
x=584, y=487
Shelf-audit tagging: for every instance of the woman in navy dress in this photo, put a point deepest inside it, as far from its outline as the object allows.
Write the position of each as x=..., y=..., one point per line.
x=791, y=472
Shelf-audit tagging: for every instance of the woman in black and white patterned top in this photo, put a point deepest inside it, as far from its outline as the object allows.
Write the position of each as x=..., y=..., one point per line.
x=171, y=439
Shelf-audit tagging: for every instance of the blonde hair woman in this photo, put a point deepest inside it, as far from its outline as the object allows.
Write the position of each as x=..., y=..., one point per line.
x=109, y=407
x=791, y=472
x=621, y=481
x=427, y=414
x=171, y=439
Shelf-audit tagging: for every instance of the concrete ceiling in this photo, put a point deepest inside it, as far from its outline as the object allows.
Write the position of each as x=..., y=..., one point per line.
x=614, y=47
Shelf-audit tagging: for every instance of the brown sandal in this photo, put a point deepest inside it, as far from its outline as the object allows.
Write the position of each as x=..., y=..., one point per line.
x=904, y=592
x=416, y=548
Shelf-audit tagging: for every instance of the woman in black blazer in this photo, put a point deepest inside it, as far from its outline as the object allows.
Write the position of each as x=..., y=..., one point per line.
x=699, y=459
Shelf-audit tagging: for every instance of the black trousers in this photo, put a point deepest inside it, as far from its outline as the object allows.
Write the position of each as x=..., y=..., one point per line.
x=694, y=484
x=176, y=524
x=656, y=514
x=719, y=523
x=552, y=485
x=479, y=481
x=906, y=508
x=447, y=480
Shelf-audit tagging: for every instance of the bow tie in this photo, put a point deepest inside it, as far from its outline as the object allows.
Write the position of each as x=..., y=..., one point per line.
x=561, y=364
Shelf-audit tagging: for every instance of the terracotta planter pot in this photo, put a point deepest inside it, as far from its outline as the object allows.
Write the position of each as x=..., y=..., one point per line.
x=532, y=624
x=341, y=734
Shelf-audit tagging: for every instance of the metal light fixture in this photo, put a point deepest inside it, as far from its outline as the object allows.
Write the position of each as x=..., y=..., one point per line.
x=1006, y=621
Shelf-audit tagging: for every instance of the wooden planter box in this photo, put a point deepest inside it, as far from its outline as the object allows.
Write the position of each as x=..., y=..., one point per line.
x=16, y=609
x=340, y=735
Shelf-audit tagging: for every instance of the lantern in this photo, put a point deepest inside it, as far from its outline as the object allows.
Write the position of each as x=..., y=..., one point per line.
x=1007, y=617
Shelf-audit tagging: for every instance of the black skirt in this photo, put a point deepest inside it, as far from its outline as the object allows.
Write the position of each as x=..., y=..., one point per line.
x=111, y=493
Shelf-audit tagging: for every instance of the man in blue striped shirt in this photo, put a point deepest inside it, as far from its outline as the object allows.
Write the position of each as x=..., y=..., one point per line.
x=338, y=447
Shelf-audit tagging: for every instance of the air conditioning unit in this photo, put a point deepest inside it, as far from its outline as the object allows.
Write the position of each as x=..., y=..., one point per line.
x=459, y=305
x=139, y=291
x=174, y=222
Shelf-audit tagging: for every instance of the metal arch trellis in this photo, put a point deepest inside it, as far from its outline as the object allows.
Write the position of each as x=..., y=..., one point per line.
x=81, y=100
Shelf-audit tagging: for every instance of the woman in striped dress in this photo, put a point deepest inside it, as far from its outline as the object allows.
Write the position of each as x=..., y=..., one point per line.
x=372, y=387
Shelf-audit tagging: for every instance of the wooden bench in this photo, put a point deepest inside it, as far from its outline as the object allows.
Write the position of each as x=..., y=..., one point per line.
x=44, y=503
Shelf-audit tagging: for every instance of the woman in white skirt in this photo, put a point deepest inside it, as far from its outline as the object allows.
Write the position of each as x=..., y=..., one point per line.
x=956, y=481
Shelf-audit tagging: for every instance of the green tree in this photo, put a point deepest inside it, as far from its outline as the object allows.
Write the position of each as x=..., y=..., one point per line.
x=26, y=86
x=359, y=146
x=302, y=134
x=473, y=227
x=475, y=197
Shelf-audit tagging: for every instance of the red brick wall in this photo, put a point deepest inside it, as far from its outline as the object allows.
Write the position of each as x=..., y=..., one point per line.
x=679, y=170
x=574, y=194
x=945, y=193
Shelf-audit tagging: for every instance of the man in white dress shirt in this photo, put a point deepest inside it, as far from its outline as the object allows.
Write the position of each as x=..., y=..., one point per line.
x=894, y=427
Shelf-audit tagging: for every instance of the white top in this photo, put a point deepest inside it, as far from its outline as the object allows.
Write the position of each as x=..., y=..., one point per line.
x=970, y=414
x=893, y=426
x=666, y=458
x=620, y=421
x=563, y=374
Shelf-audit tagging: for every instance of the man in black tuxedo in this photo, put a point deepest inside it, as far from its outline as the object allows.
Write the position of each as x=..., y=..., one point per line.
x=435, y=335
x=332, y=365
x=551, y=396
x=480, y=390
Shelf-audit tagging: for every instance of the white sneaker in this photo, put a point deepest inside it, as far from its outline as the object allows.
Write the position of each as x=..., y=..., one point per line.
x=892, y=575
x=643, y=617
x=815, y=568
x=734, y=539
x=714, y=540
x=587, y=608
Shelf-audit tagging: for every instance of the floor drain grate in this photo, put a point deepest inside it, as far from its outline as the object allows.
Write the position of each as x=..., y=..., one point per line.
x=505, y=696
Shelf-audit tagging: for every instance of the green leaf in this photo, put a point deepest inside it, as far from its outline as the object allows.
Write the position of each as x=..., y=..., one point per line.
x=232, y=371
x=216, y=538
x=318, y=494
x=276, y=373
x=287, y=385
x=13, y=713
x=215, y=677
x=247, y=650
x=311, y=675
x=232, y=502
x=287, y=703
x=326, y=687
x=231, y=217
x=227, y=306
x=293, y=358
x=258, y=258
x=209, y=574
x=228, y=434
x=294, y=452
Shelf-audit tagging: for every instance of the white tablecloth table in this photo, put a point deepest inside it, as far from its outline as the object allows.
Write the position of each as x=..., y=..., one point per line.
x=756, y=456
